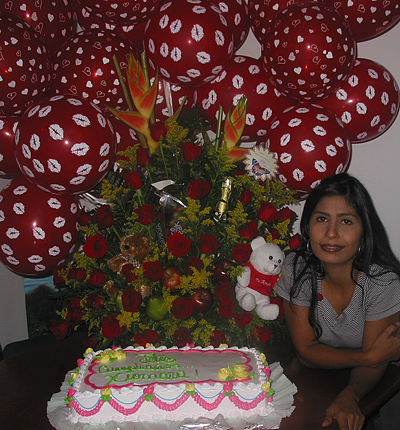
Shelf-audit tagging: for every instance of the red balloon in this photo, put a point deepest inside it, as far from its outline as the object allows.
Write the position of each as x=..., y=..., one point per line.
x=244, y=76
x=38, y=230
x=65, y=145
x=8, y=163
x=121, y=11
x=370, y=18
x=87, y=21
x=84, y=67
x=309, y=143
x=170, y=97
x=25, y=66
x=54, y=21
x=262, y=12
x=309, y=51
x=190, y=43
x=237, y=14
x=367, y=103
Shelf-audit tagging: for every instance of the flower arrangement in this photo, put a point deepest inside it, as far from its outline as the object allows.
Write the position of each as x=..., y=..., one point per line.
x=163, y=246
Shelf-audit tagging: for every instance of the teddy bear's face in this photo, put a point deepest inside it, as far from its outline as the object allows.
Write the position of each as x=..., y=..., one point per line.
x=135, y=246
x=268, y=259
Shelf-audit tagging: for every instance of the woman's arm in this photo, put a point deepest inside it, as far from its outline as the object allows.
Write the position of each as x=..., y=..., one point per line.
x=379, y=344
x=345, y=408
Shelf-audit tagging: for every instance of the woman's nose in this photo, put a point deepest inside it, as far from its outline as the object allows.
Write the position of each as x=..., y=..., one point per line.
x=332, y=230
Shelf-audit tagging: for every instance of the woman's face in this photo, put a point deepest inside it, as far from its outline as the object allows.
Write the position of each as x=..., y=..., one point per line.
x=335, y=231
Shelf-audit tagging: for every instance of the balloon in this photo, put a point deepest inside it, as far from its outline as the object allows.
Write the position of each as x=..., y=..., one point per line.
x=84, y=67
x=244, y=76
x=369, y=18
x=237, y=14
x=309, y=143
x=262, y=12
x=169, y=98
x=25, y=66
x=38, y=230
x=8, y=163
x=308, y=51
x=190, y=43
x=52, y=20
x=65, y=145
x=121, y=12
x=367, y=103
x=87, y=21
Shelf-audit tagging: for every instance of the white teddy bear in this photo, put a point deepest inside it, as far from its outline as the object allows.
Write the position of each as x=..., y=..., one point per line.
x=255, y=284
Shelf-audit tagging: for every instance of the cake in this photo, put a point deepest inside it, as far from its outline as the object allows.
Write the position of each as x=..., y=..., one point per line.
x=150, y=384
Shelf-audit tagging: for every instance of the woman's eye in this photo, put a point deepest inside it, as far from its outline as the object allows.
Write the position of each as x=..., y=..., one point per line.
x=347, y=221
x=321, y=218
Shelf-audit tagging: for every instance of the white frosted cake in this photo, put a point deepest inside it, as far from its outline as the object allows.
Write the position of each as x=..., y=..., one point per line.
x=149, y=384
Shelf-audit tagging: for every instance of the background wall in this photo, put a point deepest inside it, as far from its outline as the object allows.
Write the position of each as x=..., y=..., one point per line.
x=375, y=163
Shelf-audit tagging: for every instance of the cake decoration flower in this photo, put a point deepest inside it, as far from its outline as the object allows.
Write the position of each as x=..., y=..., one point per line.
x=190, y=389
x=106, y=395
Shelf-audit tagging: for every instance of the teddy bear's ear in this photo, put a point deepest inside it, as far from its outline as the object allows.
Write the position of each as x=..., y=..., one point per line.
x=257, y=242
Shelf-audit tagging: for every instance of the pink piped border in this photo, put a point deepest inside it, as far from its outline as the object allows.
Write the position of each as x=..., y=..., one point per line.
x=209, y=406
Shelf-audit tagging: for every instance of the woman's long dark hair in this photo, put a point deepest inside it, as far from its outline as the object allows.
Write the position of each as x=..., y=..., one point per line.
x=374, y=246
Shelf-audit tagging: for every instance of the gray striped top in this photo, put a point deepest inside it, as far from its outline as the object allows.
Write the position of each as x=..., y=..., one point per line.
x=373, y=299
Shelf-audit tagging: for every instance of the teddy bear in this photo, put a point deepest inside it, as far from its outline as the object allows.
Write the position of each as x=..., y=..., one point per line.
x=134, y=248
x=254, y=285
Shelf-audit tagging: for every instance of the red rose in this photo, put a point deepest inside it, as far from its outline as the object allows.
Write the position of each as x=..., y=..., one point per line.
x=190, y=151
x=226, y=307
x=195, y=262
x=110, y=327
x=133, y=180
x=74, y=315
x=181, y=308
x=208, y=244
x=127, y=272
x=77, y=273
x=158, y=130
x=178, y=244
x=146, y=214
x=245, y=197
x=243, y=318
x=278, y=301
x=76, y=302
x=182, y=337
x=152, y=270
x=59, y=328
x=217, y=339
x=103, y=217
x=83, y=218
x=147, y=336
x=97, y=278
x=131, y=300
x=198, y=189
x=286, y=213
x=241, y=253
x=249, y=231
x=58, y=279
x=295, y=241
x=275, y=234
x=260, y=334
x=267, y=212
x=224, y=290
x=142, y=156
x=95, y=246
x=94, y=300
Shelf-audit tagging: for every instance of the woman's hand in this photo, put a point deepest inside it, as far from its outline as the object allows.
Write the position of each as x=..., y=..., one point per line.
x=345, y=410
x=386, y=347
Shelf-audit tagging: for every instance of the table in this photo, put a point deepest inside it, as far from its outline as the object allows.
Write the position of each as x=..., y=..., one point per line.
x=29, y=380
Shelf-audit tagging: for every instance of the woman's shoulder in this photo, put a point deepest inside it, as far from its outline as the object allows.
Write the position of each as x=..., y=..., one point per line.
x=380, y=276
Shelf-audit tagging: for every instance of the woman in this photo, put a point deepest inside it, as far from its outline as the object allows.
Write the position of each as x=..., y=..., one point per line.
x=341, y=291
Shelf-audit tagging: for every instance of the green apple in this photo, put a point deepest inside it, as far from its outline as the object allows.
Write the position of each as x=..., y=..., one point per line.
x=155, y=308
